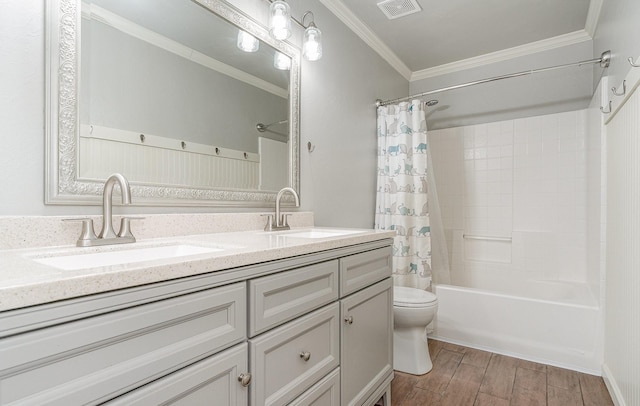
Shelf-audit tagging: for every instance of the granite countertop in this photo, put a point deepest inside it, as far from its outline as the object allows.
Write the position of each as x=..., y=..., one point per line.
x=25, y=282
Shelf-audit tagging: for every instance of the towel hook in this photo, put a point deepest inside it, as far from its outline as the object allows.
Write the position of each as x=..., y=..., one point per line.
x=606, y=112
x=632, y=64
x=310, y=147
x=624, y=89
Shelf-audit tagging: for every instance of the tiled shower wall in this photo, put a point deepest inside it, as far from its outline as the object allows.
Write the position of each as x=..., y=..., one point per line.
x=523, y=184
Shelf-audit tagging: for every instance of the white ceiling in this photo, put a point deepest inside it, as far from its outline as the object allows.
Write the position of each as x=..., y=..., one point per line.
x=448, y=32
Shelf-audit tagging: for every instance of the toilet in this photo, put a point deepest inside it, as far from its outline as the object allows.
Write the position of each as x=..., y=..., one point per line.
x=413, y=310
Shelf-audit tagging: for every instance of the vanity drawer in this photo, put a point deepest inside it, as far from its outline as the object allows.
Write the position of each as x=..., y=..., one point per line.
x=280, y=373
x=278, y=298
x=361, y=270
x=212, y=381
x=324, y=393
x=97, y=358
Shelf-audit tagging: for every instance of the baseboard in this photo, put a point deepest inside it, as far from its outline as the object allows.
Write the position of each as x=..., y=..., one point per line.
x=612, y=386
x=514, y=354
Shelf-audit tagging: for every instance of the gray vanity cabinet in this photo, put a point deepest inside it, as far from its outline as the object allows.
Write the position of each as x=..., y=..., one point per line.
x=311, y=330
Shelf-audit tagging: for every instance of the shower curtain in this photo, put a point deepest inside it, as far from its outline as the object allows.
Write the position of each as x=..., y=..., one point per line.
x=406, y=197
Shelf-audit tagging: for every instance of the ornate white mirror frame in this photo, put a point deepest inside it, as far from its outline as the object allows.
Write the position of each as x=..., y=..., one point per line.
x=63, y=185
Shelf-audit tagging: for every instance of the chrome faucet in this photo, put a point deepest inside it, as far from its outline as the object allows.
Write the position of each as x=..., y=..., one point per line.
x=281, y=219
x=107, y=234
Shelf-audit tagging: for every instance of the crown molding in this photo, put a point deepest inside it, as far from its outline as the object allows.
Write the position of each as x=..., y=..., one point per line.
x=560, y=41
x=365, y=33
x=593, y=16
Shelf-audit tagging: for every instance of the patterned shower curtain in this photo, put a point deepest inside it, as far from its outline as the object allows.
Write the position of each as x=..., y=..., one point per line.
x=402, y=202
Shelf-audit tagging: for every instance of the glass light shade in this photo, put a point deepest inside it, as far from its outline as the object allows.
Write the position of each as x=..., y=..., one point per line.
x=312, y=43
x=247, y=42
x=281, y=61
x=279, y=20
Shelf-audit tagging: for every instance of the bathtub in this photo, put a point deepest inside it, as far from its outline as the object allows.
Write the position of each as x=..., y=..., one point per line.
x=549, y=322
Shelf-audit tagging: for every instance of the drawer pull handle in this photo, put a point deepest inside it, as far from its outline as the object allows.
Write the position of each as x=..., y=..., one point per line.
x=305, y=355
x=244, y=379
x=348, y=320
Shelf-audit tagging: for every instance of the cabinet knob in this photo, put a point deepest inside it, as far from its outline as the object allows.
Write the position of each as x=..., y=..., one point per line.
x=305, y=355
x=348, y=320
x=244, y=379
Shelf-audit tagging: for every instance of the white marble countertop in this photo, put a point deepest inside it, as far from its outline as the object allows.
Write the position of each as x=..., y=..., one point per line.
x=25, y=282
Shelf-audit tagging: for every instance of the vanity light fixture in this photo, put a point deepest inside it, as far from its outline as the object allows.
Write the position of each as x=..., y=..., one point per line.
x=279, y=20
x=281, y=61
x=280, y=28
x=312, y=42
x=247, y=42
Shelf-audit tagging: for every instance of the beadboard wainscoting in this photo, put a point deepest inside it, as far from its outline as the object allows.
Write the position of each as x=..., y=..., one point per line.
x=161, y=161
x=621, y=368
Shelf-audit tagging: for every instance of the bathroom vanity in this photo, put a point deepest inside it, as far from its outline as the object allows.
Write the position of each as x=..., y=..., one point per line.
x=287, y=320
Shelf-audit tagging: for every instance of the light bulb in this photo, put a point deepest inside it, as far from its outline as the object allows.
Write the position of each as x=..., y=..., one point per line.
x=279, y=20
x=312, y=43
x=281, y=61
x=247, y=42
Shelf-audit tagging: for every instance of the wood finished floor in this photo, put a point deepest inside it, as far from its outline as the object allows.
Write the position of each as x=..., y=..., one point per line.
x=464, y=376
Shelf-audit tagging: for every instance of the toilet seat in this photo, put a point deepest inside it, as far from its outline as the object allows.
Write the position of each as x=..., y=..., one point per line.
x=412, y=297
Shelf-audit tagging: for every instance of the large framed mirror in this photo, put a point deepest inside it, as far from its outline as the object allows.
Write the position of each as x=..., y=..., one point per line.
x=191, y=100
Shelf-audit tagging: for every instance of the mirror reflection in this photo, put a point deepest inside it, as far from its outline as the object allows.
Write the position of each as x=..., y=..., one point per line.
x=173, y=95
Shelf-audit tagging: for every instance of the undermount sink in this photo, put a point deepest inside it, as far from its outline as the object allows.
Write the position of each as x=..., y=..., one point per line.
x=321, y=233
x=70, y=262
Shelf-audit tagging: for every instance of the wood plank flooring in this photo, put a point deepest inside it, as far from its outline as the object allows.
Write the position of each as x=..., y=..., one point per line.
x=464, y=376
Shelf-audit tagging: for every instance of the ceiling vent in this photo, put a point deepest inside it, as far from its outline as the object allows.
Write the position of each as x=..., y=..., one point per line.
x=398, y=8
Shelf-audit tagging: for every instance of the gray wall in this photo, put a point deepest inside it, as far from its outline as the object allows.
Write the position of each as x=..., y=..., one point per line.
x=338, y=117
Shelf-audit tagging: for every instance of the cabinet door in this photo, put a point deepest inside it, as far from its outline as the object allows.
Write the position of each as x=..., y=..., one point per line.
x=213, y=381
x=366, y=346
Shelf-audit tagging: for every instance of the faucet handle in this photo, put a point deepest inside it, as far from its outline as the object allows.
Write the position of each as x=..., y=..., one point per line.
x=284, y=219
x=87, y=234
x=125, y=227
x=269, y=226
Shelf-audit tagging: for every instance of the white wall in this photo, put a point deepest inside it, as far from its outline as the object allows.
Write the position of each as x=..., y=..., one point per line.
x=622, y=333
x=618, y=30
x=338, y=117
x=524, y=179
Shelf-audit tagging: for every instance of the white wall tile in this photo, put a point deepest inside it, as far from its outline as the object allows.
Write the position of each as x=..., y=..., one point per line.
x=524, y=178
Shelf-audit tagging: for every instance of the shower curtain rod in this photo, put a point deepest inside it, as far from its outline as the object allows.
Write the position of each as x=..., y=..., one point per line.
x=604, y=60
x=264, y=127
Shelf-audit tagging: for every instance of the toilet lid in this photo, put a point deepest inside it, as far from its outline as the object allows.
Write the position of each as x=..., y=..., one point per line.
x=412, y=297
